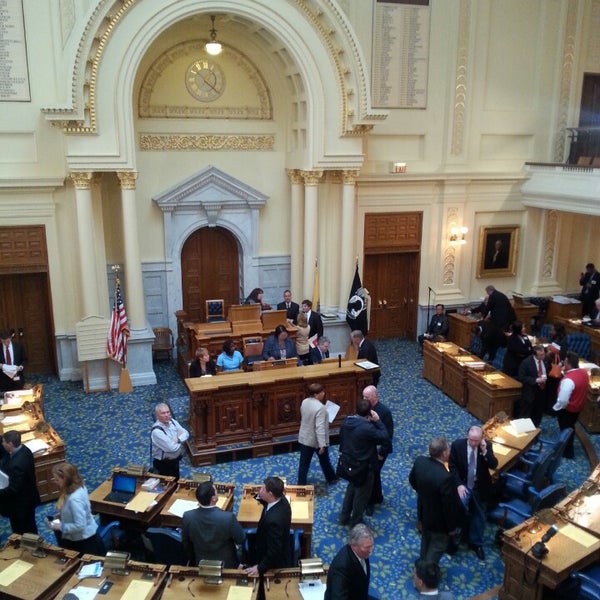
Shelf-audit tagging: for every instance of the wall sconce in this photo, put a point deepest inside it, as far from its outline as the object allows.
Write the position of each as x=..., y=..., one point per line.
x=213, y=47
x=211, y=570
x=457, y=235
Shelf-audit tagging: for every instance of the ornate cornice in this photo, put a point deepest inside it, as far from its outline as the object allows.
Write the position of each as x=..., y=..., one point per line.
x=349, y=176
x=311, y=177
x=166, y=141
x=82, y=180
x=127, y=179
x=295, y=176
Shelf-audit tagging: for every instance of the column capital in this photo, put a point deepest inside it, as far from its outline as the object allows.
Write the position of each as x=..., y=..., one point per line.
x=311, y=177
x=295, y=176
x=349, y=176
x=82, y=180
x=127, y=179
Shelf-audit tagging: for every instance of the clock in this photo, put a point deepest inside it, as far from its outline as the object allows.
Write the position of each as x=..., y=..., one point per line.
x=204, y=80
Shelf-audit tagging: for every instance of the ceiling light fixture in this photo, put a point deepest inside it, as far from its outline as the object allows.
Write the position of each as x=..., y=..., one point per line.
x=213, y=47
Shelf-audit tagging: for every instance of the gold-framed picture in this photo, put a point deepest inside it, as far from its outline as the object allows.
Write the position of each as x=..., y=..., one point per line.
x=498, y=250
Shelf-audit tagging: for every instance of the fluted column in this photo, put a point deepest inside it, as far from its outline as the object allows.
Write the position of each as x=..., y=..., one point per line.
x=85, y=232
x=134, y=302
x=311, y=228
x=347, y=226
x=296, y=233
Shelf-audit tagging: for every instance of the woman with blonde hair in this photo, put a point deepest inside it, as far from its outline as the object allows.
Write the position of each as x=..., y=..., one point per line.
x=74, y=524
x=302, y=345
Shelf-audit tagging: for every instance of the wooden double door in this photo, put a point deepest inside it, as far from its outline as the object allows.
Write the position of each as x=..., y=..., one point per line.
x=25, y=308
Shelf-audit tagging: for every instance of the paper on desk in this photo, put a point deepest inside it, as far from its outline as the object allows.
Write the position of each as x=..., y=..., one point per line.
x=91, y=570
x=578, y=535
x=299, y=509
x=141, y=501
x=221, y=502
x=10, y=370
x=21, y=427
x=366, y=364
x=238, y=592
x=494, y=377
x=500, y=450
x=84, y=593
x=37, y=445
x=522, y=426
x=27, y=436
x=12, y=420
x=180, y=506
x=14, y=571
x=332, y=410
x=312, y=590
x=137, y=589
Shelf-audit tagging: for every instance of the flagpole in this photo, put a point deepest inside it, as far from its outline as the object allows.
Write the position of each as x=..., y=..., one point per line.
x=121, y=329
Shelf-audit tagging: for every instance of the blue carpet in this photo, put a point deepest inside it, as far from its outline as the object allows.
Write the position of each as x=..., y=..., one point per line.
x=108, y=429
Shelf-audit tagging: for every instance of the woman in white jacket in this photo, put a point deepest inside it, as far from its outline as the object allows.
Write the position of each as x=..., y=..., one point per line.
x=78, y=528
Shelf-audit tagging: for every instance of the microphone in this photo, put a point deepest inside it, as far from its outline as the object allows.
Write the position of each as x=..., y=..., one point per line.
x=549, y=534
x=430, y=289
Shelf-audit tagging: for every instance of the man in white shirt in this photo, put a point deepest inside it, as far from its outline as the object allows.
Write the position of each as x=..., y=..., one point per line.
x=168, y=437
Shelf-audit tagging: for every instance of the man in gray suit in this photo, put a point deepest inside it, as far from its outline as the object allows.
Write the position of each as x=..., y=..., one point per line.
x=209, y=532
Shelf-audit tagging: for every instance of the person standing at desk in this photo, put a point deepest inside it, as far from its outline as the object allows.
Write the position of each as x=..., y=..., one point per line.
x=365, y=350
x=292, y=308
x=12, y=363
x=19, y=499
x=314, y=434
x=313, y=319
x=350, y=571
x=534, y=377
x=471, y=459
x=209, y=532
x=167, y=437
x=272, y=546
x=78, y=528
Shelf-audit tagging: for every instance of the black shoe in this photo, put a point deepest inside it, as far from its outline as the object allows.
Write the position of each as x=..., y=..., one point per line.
x=478, y=551
x=370, y=510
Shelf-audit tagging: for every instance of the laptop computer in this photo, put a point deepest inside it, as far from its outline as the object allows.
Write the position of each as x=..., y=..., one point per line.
x=123, y=488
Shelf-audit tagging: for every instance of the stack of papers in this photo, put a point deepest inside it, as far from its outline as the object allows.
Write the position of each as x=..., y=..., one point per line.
x=92, y=570
x=37, y=445
x=522, y=425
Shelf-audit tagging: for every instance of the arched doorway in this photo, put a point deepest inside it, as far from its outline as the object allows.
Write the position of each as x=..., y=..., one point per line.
x=209, y=269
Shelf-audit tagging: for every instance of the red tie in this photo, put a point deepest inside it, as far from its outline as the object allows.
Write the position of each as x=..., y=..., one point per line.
x=542, y=384
x=8, y=360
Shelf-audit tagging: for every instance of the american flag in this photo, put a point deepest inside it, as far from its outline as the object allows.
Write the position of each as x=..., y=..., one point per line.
x=116, y=345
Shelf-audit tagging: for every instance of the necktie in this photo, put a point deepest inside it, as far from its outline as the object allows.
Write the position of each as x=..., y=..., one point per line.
x=542, y=384
x=471, y=470
x=8, y=359
x=363, y=563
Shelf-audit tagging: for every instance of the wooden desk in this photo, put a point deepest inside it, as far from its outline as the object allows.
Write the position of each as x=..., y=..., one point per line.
x=577, y=326
x=525, y=312
x=186, y=490
x=454, y=378
x=261, y=409
x=109, y=511
x=568, y=311
x=142, y=580
x=433, y=360
x=285, y=585
x=301, y=499
x=460, y=329
x=44, y=577
x=525, y=576
x=491, y=392
x=184, y=582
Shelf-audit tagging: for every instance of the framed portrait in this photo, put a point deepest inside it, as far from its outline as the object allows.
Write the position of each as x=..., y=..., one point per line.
x=498, y=249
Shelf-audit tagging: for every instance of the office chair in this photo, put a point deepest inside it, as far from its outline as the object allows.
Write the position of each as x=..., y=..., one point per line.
x=528, y=473
x=581, y=344
x=215, y=310
x=252, y=348
x=557, y=446
x=165, y=546
x=499, y=359
x=249, y=542
x=587, y=583
x=545, y=331
x=111, y=535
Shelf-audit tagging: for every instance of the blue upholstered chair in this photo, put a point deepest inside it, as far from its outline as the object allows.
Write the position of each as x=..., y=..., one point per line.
x=215, y=310
x=499, y=359
x=295, y=537
x=557, y=446
x=111, y=535
x=165, y=546
x=545, y=331
x=589, y=583
x=581, y=344
x=528, y=473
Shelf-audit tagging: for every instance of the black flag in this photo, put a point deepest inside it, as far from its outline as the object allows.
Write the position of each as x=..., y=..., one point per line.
x=356, y=314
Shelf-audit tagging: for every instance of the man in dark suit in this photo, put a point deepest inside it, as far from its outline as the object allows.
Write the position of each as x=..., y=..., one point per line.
x=272, y=549
x=292, y=308
x=209, y=532
x=320, y=352
x=12, y=363
x=498, y=314
x=532, y=374
x=471, y=459
x=438, y=505
x=313, y=319
x=20, y=498
x=360, y=434
x=383, y=450
x=365, y=350
x=590, y=289
x=350, y=571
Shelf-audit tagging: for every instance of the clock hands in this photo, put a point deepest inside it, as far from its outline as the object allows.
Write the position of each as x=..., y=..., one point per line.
x=207, y=82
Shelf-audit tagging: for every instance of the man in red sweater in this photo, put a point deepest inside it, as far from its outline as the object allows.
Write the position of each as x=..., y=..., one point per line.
x=572, y=393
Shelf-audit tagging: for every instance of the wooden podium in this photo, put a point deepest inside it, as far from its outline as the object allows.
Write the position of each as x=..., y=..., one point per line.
x=27, y=577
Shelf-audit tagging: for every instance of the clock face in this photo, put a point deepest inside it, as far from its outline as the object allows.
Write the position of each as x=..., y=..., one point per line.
x=204, y=80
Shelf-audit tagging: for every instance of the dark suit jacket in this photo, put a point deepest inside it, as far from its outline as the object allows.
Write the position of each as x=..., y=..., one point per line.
x=527, y=375
x=315, y=355
x=458, y=466
x=346, y=579
x=212, y=533
x=385, y=416
x=273, y=546
x=316, y=324
x=439, y=504
x=502, y=314
x=6, y=383
x=368, y=352
x=19, y=499
x=518, y=348
x=195, y=370
x=292, y=311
